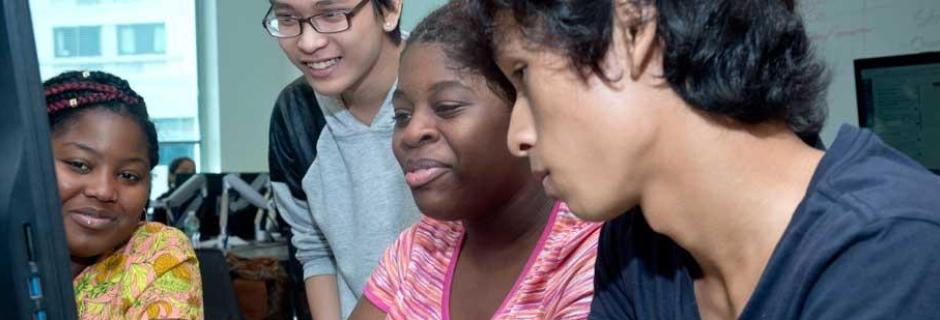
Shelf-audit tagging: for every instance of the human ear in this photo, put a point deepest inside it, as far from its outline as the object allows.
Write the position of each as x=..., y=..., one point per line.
x=634, y=34
x=392, y=17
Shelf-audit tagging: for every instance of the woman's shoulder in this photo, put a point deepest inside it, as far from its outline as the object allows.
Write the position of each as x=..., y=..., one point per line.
x=430, y=235
x=571, y=240
x=422, y=250
x=156, y=243
x=569, y=227
x=426, y=223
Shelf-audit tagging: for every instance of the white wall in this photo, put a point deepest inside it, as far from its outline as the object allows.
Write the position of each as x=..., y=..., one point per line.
x=242, y=70
x=237, y=94
x=151, y=75
x=842, y=31
x=845, y=30
x=415, y=10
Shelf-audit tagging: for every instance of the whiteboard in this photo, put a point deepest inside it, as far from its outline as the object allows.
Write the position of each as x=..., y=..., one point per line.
x=845, y=30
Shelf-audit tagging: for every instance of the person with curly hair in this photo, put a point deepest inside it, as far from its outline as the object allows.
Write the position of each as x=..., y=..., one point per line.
x=491, y=243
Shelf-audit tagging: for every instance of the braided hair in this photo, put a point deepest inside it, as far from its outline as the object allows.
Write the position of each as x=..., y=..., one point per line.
x=73, y=92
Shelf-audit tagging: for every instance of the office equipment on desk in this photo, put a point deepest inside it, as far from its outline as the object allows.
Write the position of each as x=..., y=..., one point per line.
x=34, y=275
x=225, y=205
x=899, y=99
x=188, y=197
x=250, y=195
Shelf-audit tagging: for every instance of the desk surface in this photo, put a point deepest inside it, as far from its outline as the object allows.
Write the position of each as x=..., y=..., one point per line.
x=252, y=250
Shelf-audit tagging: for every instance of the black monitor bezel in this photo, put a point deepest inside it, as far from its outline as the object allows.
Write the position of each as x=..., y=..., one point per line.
x=30, y=215
x=885, y=62
x=861, y=65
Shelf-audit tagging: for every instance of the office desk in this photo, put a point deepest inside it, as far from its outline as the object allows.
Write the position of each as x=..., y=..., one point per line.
x=276, y=250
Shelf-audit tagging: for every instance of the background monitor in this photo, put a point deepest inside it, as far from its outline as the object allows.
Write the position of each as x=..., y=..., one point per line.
x=34, y=275
x=899, y=99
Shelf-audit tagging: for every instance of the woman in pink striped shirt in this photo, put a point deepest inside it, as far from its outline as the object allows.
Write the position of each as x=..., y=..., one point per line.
x=492, y=244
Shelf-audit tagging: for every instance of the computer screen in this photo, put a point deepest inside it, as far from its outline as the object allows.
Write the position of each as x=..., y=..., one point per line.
x=34, y=274
x=899, y=99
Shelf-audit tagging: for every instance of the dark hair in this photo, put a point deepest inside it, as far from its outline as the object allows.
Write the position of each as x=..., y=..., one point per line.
x=750, y=61
x=175, y=164
x=73, y=92
x=381, y=6
x=458, y=32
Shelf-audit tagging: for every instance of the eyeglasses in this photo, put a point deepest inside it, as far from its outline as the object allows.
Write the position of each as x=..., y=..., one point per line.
x=327, y=22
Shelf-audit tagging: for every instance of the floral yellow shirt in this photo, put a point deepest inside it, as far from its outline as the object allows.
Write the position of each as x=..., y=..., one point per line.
x=154, y=276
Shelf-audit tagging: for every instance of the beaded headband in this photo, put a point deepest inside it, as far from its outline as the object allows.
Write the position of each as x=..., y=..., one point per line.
x=100, y=93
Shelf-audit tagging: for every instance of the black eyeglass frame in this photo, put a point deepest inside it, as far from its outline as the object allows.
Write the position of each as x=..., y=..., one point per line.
x=311, y=20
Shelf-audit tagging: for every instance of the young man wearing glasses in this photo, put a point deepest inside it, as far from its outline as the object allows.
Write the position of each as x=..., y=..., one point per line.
x=335, y=179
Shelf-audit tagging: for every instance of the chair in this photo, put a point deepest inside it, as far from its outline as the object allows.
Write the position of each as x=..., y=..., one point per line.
x=218, y=294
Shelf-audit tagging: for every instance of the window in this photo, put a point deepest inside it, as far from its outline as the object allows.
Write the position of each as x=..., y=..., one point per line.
x=129, y=38
x=77, y=41
x=179, y=137
x=177, y=129
x=172, y=150
x=141, y=39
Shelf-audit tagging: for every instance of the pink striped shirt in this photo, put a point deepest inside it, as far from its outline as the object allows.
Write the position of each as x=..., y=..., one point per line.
x=412, y=281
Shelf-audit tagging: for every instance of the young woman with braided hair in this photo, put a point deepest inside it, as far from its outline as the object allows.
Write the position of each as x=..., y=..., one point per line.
x=104, y=147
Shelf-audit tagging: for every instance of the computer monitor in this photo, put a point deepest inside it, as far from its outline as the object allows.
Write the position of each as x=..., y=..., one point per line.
x=899, y=99
x=34, y=275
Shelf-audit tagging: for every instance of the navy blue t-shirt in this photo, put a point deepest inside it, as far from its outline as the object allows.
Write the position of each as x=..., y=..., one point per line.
x=863, y=244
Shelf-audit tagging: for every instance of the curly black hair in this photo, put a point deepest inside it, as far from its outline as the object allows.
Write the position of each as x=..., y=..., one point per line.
x=71, y=93
x=749, y=60
x=458, y=32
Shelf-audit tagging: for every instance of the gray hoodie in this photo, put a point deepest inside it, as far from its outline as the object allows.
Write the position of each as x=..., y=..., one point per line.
x=357, y=200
